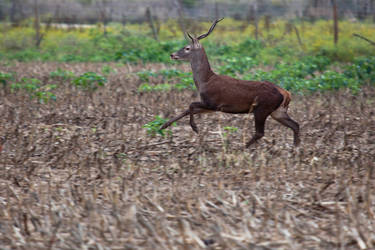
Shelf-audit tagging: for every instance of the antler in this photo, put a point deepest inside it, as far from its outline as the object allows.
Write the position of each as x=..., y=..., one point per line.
x=191, y=38
x=211, y=29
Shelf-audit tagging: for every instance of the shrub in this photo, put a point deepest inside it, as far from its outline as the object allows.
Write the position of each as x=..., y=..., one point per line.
x=176, y=80
x=35, y=89
x=5, y=78
x=363, y=69
x=145, y=87
x=89, y=81
x=233, y=65
x=61, y=74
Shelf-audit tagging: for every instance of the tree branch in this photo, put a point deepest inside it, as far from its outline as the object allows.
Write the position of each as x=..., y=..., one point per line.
x=364, y=38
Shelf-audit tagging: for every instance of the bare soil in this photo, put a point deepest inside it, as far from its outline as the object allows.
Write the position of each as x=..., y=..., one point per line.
x=82, y=172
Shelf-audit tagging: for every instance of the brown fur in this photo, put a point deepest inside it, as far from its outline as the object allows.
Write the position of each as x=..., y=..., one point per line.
x=230, y=95
x=286, y=95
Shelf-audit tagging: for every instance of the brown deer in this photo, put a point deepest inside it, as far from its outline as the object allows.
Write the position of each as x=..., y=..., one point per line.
x=230, y=95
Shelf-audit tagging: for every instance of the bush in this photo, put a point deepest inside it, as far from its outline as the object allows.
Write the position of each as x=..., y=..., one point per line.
x=234, y=65
x=35, y=89
x=363, y=69
x=5, y=78
x=89, y=81
x=61, y=74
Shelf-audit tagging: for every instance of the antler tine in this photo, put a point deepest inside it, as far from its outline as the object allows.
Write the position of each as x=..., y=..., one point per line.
x=211, y=29
x=191, y=38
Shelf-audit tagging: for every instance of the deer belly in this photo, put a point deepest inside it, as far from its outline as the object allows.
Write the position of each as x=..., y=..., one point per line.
x=228, y=103
x=235, y=109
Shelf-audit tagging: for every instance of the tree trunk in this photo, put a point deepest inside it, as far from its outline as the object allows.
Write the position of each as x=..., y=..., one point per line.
x=298, y=37
x=216, y=10
x=254, y=19
x=181, y=17
x=102, y=10
x=38, y=35
x=335, y=22
x=13, y=13
x=151, y=23
x=267, y=22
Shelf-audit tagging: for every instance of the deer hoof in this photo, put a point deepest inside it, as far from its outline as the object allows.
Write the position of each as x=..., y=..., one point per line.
x=195, y=128
x=249, y=143
x=297, y=142
x=165, y=125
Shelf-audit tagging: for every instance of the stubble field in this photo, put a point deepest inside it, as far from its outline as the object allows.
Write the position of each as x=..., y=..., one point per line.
x=82, y=172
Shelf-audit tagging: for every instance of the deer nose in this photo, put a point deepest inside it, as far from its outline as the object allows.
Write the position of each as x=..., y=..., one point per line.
x=174, y=56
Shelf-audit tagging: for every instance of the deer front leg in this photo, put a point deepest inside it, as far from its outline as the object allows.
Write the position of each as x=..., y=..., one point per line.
x=194, y=108
x=197, y=108
x=169, y=123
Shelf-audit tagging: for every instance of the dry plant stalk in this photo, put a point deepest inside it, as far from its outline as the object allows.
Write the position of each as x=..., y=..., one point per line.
x=76, y=173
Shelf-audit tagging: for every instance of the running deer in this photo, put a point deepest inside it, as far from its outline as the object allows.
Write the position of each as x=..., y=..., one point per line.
x=230, y=95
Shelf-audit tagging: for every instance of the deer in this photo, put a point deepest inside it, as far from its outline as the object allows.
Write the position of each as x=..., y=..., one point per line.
x=220, y=93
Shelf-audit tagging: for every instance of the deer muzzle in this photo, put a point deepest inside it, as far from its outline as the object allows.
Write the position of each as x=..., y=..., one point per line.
x=174, y=56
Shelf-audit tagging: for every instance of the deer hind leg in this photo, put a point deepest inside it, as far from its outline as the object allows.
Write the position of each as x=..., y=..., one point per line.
x=282, y=116
x=260, y=120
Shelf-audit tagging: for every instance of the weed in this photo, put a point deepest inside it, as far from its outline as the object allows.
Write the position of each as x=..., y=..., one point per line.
x=124, y=46
x=145, y=87
x=62, y=74
x=106, y=70
x=144, y=76
x=89, y=81
x=5, y=78
x=153, y=127
x=35, y=89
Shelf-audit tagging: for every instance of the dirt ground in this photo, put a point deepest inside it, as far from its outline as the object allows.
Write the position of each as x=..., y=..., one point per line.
x=82, y=172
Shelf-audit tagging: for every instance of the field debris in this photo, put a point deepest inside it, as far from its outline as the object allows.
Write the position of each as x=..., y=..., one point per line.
x=82, y=172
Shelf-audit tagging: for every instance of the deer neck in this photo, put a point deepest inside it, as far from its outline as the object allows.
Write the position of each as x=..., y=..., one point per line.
x=201, y=68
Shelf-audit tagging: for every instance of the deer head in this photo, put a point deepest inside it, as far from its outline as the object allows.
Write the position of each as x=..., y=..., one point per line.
x=194, y=47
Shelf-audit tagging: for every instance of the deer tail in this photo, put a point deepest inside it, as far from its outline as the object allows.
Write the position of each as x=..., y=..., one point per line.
x=287, y=97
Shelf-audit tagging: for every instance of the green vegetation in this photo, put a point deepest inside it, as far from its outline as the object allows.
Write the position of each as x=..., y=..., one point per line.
x=172, y=79
x=107, y=70
x=231, y=40
x=61, y=74
x=5, y=78
x=145, y=87
x=43, y=91
x=311, y=73
x=89, y=81
x=313, y=64
x=153, y=127
x=227, y=134
x=34, y=88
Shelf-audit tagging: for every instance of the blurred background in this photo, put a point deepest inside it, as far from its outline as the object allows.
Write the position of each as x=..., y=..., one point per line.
x=110, y=30
x=105, y=11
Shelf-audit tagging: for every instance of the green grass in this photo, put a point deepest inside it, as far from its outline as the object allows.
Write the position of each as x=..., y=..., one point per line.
x=316, y=65
x=133, y=43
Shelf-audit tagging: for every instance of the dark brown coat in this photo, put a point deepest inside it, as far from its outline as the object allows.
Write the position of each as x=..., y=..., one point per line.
x=230, y=95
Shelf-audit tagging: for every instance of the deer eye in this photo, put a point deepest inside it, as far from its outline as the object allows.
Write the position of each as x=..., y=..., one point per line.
x=187, y=48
